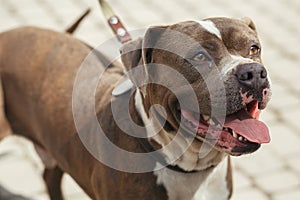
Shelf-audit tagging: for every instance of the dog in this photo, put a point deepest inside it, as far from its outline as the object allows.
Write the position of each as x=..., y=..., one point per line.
x=195, y=93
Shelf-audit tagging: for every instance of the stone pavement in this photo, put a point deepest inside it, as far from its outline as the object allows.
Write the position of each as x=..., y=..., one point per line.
x=272, y=173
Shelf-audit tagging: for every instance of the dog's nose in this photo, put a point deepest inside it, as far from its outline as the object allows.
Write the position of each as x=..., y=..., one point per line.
x=252, y=75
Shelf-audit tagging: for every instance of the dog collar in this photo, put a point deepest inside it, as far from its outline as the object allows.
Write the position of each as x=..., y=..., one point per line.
x=159, y=158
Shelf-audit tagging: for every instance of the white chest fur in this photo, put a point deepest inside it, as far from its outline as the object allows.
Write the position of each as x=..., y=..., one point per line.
x=215, y=186
x=204, y=185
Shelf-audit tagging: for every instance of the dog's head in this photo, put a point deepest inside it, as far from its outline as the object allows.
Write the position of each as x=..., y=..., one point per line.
x=209, y=78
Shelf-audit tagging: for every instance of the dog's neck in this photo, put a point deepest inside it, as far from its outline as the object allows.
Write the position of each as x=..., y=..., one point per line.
x=210, y=184
x=210, y=179
x=189, y=160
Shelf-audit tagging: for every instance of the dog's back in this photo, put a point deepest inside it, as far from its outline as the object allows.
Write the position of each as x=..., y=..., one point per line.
x=38, y=68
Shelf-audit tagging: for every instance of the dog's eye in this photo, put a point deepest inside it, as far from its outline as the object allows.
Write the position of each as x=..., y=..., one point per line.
x=254, y=50
x=200, y=57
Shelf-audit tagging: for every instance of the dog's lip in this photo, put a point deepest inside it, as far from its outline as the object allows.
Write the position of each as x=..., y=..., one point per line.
x=241, y=128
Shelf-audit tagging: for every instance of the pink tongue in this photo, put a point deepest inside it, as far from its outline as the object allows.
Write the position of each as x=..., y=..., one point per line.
x=248, y=127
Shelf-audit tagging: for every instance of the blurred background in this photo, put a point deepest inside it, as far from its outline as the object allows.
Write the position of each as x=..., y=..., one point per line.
x=272, y=173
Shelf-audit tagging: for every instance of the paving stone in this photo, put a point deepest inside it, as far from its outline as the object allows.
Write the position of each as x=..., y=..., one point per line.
x=240, y=180
x=291, y=195
x=249, y=194
x=284, y=140
x=279, y=181
x=291, y=119
x=282, y=96
x=259, y=163
x=293, y=161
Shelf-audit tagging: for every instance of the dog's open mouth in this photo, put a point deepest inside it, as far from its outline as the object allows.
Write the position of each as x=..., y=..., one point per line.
x=240, y=133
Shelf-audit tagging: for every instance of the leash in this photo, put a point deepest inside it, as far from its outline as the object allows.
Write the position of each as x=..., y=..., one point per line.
x=114, y=22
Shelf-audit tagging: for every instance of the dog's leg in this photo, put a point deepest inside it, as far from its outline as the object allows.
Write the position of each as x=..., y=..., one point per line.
x=52, y=178
x=5, y=128
x=52, y=174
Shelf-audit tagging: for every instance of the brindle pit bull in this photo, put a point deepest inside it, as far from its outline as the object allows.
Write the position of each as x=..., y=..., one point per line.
x=38, y=71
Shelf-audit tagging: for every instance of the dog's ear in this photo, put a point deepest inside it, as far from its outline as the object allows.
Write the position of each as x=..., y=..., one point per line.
x=136, y=54
x=131, y=56
x=151, y=37
x=249, y=22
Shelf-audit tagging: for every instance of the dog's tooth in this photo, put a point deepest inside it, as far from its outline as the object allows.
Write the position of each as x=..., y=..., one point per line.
x=235, y=135
x=245, y=140
x=206, y=118
x=219, y=126
x=211, y=122
x=241, y=138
